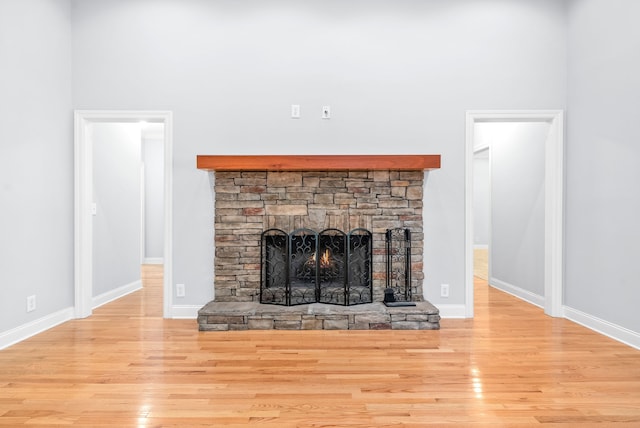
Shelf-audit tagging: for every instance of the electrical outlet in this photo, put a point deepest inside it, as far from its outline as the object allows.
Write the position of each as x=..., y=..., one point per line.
x=31, y=303
x=326, y=112
x=295, y=111
x=444, y=290
x=180, y=291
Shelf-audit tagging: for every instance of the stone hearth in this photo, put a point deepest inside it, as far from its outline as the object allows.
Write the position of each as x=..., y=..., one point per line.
x=216, y=316
x=249, y=201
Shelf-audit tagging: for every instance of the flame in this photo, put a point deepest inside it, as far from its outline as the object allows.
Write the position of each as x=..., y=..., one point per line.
x=325, y=259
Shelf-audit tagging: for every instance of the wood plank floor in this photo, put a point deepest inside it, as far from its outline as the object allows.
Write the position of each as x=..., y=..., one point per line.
x=510, y=366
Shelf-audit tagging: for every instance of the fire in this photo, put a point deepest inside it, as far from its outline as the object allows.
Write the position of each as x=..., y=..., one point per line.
x=325, y=259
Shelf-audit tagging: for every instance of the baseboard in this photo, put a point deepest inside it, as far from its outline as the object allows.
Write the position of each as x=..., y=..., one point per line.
x=480, y=246
x=452, y=311
x=32, y=328
x=518, y=292
x=613, y=331
x=185, y=311
x=153, y=261
x=117, y=293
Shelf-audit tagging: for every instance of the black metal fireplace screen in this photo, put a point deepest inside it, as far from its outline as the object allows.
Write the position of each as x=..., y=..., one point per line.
x=305, y=266
x=398, y=267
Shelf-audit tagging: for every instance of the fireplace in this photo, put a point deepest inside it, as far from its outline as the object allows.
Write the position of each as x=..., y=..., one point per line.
x=308, y=232
x=251, y=202
x=305, y=266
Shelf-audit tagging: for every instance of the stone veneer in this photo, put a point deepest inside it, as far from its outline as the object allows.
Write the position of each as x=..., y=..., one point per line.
x=222, y=316
x=249, y=202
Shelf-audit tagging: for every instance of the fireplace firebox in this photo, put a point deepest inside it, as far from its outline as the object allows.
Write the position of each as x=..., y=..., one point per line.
x=306, y=266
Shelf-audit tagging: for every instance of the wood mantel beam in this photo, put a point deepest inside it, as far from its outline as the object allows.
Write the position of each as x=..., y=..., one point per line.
x=317, y=162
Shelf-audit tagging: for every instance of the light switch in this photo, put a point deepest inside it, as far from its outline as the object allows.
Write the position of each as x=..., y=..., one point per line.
x=326, y=112
x=295, y=111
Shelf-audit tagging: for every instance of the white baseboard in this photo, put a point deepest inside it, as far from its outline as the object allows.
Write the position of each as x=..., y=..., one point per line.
x=452, y=311
x=153, y=261
x=185, y=311
x=117, y=293
x=615, y=332
x=518, y=292
x=480, y=246
x=34, y=327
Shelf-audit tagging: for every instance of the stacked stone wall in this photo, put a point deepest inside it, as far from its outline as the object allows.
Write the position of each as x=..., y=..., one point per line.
x=249, y=202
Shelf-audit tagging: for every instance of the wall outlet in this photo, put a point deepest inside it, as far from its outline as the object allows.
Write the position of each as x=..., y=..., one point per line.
x=295, y=111
x=180, y=291
x=444, y=290
x=31, y=303
x=326, y=112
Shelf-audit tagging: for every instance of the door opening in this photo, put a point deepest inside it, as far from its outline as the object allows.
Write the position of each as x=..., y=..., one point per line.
x=553, y=200
x=84, y=201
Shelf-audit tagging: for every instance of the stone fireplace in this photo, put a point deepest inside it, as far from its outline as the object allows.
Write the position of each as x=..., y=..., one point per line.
x=257, y=194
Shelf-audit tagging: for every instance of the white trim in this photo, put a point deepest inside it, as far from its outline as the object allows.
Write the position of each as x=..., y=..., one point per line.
x=83, y=190
x=614, y=331
x=518, y=292
x=116, y=293
x=452, y=311
x=554, y=204
x=25, y=331
x=143, y=196
x=480, y=246
x=554, y=218
x=185, y=311
x=153, y=261
x=468, y=217
x=168, y=216
x=482, y=148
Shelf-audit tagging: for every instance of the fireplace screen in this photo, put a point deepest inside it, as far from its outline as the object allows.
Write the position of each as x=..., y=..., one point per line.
x=398, y=266
x=308, y=267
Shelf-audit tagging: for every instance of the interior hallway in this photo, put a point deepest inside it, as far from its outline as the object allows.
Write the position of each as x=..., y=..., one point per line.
x=126, y=366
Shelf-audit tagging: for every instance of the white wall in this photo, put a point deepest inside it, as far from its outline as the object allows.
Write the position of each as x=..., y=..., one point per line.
x=36, y=165
x=603, y=197
x=117, y=195
x=153, y=158
x=481, y=198
x=398, y=75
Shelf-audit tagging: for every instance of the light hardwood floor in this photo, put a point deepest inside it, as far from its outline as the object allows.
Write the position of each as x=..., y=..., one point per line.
x=510, y=366
x=481, y=263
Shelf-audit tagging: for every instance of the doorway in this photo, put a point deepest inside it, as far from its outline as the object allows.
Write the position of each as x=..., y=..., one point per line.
x=84, y=200
x=481, y=210
x=553, y=200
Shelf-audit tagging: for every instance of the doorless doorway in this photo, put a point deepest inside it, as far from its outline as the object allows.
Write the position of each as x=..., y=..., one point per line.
x=83, y=200
x=553, y=200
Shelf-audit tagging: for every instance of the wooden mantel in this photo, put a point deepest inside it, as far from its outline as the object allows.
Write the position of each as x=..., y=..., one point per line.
x=317, y=162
